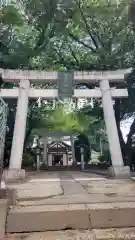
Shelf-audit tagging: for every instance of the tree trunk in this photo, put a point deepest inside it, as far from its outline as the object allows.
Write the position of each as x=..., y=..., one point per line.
x=73, y=150
x=45, y=150
x=118, y=119
x=129, y=150
x=28, y=133
x=129, y=144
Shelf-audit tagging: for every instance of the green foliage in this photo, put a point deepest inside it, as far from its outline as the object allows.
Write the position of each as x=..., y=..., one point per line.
x=38, y=121
x=60, y=119
x=82, y=140
x=94, y=162
x=28, y=160
x=105, y=157
x=64, y=34
x=102, y=158
x=10, y=15
x=104, y=33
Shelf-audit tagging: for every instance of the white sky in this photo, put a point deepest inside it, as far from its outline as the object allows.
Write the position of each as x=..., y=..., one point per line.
x=125, y=126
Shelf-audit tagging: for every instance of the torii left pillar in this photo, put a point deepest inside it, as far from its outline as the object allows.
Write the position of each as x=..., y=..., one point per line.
x=19, y=132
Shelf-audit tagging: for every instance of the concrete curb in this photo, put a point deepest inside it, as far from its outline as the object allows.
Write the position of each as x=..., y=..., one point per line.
x=77, y=216
x=112, y=215
x=47, y=218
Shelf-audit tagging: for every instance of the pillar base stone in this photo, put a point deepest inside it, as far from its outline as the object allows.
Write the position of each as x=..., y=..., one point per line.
x=119, y=171
x=14, y=174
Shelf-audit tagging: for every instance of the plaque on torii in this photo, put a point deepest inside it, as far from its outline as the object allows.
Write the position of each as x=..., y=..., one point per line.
x=65, y=84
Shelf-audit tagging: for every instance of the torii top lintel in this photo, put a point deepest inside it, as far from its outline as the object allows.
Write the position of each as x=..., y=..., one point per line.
x=34, y=76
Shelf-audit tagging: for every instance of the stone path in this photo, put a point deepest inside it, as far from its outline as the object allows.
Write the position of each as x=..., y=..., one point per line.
x=71, y=200
x=46, y=185
x=70, y=185
x=42, y=185
x=72, y=188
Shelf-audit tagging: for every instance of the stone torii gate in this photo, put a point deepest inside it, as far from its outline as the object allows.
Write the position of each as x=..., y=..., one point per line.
x=24, y=92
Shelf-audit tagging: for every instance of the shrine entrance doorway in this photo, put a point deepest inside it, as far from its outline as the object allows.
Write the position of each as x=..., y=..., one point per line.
x=57, y=160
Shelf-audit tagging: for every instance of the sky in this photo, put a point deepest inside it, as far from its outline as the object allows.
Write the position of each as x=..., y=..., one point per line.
x=125, y=126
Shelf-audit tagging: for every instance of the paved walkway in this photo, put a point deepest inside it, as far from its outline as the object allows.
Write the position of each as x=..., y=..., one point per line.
x=72, y=187
x=72, y=200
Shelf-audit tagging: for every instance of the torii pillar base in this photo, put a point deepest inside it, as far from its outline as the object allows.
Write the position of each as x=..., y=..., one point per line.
x=119, y=171
x=14, y=174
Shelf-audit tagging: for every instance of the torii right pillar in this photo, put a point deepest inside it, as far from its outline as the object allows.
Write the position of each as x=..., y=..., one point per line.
x=118, y=169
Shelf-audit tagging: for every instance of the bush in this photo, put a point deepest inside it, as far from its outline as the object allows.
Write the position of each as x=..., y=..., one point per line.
x=101, y=158
x=94, y=161
x=28, y=160
x=104, y=157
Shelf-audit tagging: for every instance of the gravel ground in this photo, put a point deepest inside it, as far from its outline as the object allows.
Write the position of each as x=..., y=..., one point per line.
x=108, y=234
